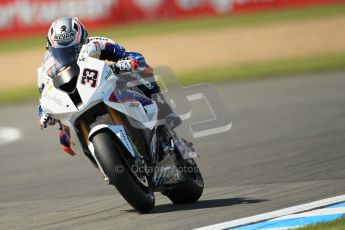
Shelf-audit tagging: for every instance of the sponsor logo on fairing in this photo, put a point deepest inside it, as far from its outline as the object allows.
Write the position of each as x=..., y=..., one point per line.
x=108, y=75
x=134, y=104
x=52, y=97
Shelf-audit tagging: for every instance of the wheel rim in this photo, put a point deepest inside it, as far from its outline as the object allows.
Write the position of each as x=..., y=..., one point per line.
x=142, y=179
x=195, y=174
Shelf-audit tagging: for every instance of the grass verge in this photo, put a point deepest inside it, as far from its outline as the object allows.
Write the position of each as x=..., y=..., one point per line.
x=18, y=95
x=277, y=68
x=286, y=67
x=338, y=224
x=169, y=26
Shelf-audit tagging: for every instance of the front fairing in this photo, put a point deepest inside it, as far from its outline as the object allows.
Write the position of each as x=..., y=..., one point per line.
x=56, y=102
x=96, y=83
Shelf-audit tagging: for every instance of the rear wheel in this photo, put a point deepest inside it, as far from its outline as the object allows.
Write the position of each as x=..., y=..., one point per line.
x=133, y=186
x=191, y=189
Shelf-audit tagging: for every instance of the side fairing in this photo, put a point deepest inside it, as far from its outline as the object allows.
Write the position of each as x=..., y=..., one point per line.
x=133, y=105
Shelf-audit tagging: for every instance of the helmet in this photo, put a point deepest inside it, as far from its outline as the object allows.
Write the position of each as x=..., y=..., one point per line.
x=65, y=32
x=65, y=37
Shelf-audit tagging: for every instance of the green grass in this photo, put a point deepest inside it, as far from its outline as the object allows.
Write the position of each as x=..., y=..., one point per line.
x=338, y=224
x=19, y=95
x=279, y=68
x=164, y=27
x=208, y=23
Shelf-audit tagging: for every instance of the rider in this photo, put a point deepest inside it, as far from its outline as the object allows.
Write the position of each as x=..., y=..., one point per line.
x=68, y=35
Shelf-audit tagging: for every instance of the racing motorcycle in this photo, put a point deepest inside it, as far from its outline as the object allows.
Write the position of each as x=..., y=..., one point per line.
x=117, y=129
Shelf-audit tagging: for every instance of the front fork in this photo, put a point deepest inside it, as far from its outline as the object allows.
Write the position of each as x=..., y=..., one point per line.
x=85, y=131
x=117, y=127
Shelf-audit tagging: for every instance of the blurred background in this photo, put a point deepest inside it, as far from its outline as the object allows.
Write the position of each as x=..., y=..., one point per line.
x=202, y=40
x=278, y=66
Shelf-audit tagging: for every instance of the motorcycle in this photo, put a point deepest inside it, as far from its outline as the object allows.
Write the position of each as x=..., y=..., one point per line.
x=117, y=129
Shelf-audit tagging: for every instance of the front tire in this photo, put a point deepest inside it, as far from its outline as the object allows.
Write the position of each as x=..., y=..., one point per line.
x=110, y=156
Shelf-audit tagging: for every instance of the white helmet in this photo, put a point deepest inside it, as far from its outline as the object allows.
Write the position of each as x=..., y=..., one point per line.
x=65, y=37
x=65, y=32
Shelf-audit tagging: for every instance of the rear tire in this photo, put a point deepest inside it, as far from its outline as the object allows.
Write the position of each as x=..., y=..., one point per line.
x=191, y=190
x=110, y=156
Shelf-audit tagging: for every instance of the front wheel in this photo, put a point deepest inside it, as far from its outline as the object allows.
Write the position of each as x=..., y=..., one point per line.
x=191, y=189
x=111, y=157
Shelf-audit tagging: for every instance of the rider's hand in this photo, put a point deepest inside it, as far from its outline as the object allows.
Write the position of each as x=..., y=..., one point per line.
x=94, y=50
x=127, y=65
x=46, y=119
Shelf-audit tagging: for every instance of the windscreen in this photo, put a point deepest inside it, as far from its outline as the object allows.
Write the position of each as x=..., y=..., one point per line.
x=65, y=56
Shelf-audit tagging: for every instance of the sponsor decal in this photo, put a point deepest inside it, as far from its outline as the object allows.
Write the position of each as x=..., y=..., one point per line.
x=134, y=104
x=52, y=98
x=108, y=74
x=64, y=36
x=99, y=38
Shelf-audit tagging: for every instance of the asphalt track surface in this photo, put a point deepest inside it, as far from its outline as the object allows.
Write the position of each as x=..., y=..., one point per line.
x=286, y=147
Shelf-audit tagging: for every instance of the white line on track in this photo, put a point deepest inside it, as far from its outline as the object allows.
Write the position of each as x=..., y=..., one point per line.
x=275, y=214
x=9, y=134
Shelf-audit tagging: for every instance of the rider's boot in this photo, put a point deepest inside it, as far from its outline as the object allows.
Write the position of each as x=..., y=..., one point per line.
x=66, y=146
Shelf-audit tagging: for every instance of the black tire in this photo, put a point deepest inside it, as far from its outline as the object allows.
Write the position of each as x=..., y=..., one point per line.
x=108, y=153
x=191, y=190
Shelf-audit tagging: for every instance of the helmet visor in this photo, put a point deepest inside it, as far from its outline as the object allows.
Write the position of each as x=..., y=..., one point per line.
x=65, y=56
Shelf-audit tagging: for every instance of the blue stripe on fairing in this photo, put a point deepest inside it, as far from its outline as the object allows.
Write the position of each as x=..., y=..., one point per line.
x=340, y=205
x=290, y=222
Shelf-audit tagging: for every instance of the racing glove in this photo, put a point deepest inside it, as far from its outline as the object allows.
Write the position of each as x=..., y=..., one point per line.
x=94, y=50
x=127, y=65
x=46, y=119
